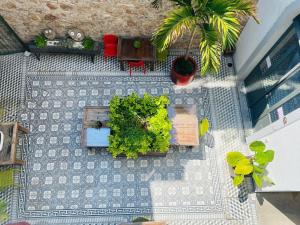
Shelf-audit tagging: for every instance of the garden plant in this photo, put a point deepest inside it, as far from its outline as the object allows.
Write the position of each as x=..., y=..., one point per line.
x=215, y=22
x=139, y=125
x=254, y=166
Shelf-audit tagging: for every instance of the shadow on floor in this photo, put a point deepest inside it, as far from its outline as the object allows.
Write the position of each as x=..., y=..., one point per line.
x=282, y=208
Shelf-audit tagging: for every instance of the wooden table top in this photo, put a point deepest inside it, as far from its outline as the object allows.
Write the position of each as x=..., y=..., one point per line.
x=184, y=125
x=126, y=51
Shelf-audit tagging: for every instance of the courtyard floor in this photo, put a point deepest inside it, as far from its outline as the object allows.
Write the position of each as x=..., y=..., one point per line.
x=62, y=183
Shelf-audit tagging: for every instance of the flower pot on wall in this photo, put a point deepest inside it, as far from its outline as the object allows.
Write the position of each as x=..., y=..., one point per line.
x=183, y=76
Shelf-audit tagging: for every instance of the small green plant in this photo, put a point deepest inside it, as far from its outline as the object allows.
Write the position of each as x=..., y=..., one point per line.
x=140, y=219
x=3, y=211
x=203, y=127
x=88, y=43
x=40, y=41
x=139, y=125
x=137, y=44
x=254, y=166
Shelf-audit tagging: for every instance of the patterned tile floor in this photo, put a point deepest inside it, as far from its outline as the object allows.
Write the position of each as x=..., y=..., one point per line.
x=63, y=183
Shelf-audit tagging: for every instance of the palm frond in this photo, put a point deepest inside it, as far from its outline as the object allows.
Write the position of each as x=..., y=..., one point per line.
x=246, y=8
x=228, y=26
x=156, y=4
x=210, y=49
x=176, y=23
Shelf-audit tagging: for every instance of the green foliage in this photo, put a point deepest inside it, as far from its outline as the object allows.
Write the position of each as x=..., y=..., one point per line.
x=137, y=44
x=7, y=179
x=88, y=43
x=203, y=127
x=254, y=165
x=139, y=125
x=3, y=211
x=263, y=158
x=40, y=41
x=238, y=179
x=162, y=56
x=184, y=67
x=140, y=219
x=234, y=157
x=243, y=167
x=216, y=21
x=257, y=146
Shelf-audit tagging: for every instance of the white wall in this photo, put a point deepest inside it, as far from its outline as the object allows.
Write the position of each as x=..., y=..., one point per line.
x=284, y=139
x=256, y=39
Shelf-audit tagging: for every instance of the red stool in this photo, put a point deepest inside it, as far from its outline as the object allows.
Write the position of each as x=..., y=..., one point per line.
x=134, y=64
x=110, y=43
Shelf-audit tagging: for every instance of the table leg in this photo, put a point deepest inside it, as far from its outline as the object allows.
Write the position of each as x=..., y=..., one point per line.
x=122, y=68
x=37, y=55
x=93, y=58
x=151, y=66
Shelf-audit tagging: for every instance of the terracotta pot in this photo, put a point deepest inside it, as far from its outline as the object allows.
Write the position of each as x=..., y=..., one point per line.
x=182, y=80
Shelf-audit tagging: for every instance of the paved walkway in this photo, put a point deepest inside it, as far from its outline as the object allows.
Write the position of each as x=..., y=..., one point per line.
x=63, y=183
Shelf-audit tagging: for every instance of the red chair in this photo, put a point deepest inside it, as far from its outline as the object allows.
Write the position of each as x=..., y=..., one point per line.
x=134, y=64
x=110, y=42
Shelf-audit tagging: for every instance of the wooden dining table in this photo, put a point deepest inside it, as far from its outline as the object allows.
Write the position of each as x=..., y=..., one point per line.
x=127, y=52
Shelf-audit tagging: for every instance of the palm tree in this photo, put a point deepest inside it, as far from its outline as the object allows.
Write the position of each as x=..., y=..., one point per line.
x=216, y=21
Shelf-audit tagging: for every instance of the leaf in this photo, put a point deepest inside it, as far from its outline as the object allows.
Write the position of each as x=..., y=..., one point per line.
x=268, y=180
x=237, y=180
x=257, y=179
x=257, y=146
x=263, y=158
x=234, y=157
x=258, y=169
x=270, y=155
x=203, y=127
x=178, y=22
x=244, y=167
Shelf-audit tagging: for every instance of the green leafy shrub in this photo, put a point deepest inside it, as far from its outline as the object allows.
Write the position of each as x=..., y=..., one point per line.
x=88, y=43
x=3, y=211
x=139, y=125
x=254, y=166
x=40, y=41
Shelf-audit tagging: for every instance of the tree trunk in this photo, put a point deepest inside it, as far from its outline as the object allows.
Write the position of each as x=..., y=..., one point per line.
x=190, y=44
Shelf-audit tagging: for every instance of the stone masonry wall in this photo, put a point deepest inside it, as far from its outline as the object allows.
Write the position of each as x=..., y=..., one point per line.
x=95, y=17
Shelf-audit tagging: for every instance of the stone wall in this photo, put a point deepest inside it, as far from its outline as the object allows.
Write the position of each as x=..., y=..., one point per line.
x=95, y=17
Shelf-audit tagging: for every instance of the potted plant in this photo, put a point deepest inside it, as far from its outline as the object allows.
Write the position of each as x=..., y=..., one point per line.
x=88, y=43
x=137, y=43
x=217, y=24
x=251, y=166
x=40, y=41
x=139, y=126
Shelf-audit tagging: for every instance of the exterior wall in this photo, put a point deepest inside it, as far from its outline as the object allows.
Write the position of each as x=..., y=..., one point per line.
x=132, y=18
x=284, y=139
x=256, y=39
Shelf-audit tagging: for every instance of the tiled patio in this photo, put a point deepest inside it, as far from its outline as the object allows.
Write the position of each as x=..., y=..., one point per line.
x=63, y=183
